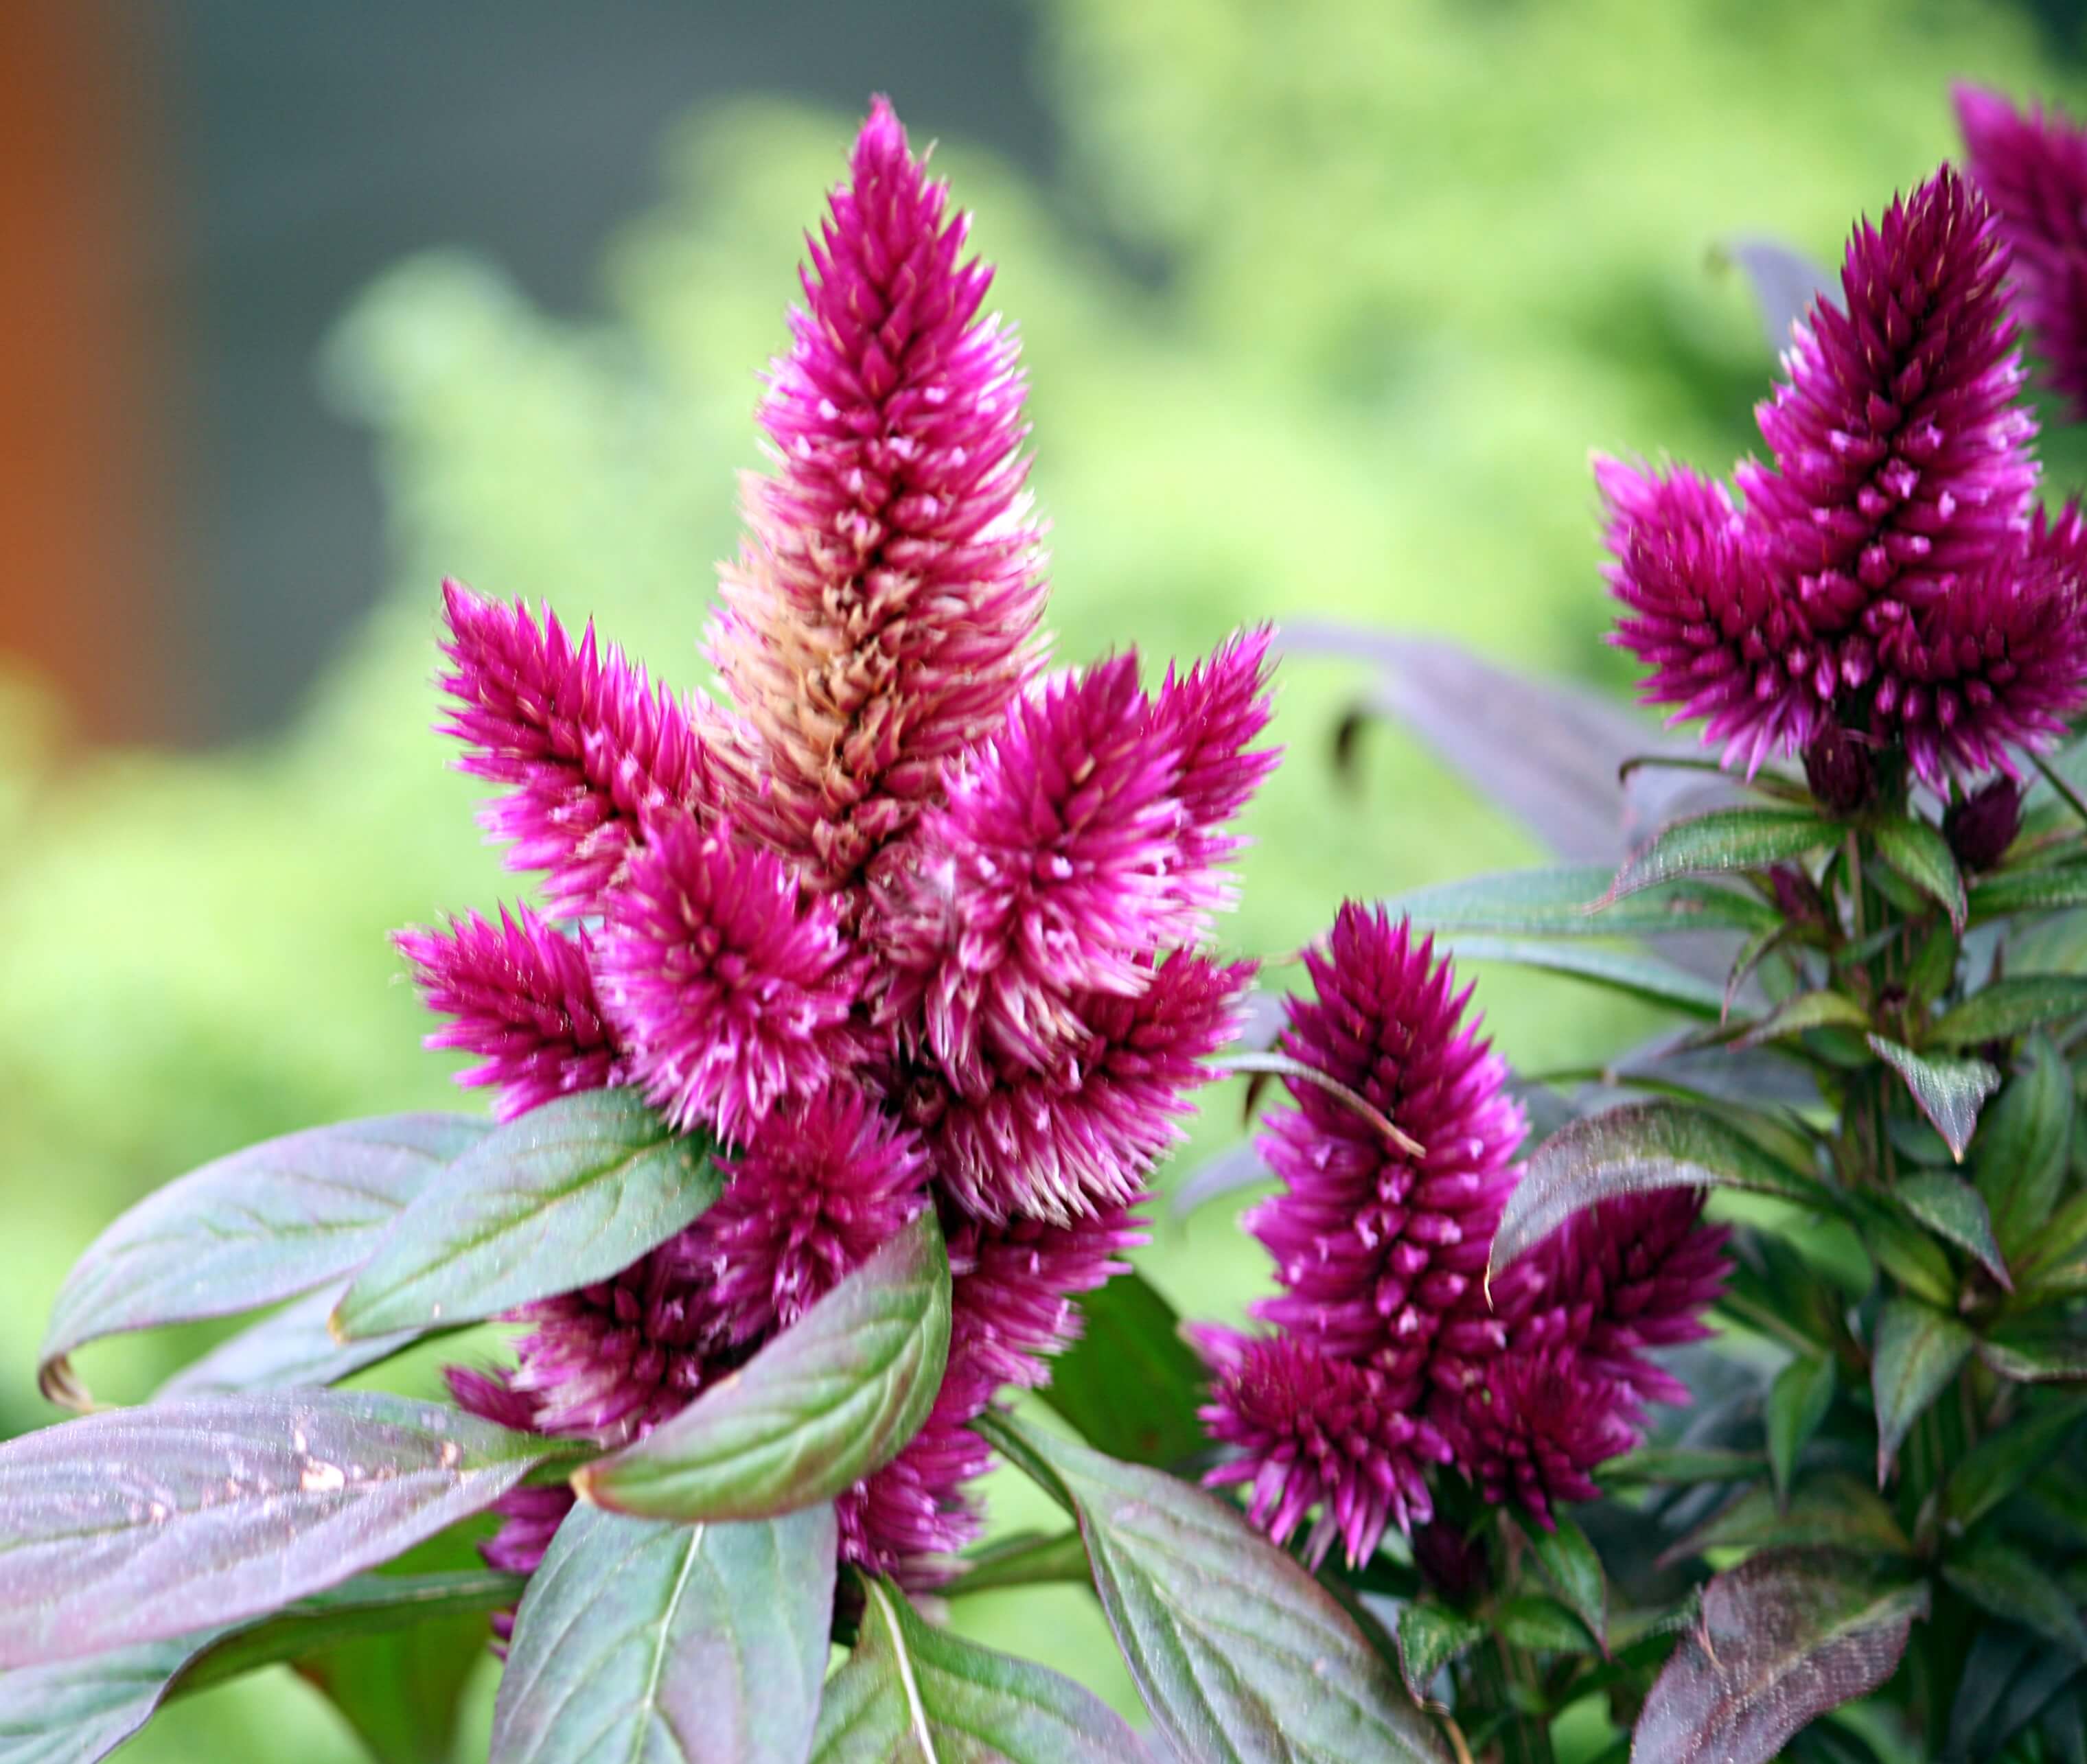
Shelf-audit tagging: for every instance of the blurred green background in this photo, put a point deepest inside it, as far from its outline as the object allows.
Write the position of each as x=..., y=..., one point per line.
x=1324, y=308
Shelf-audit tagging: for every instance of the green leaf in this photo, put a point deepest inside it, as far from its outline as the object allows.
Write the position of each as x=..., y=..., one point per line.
x=2023, y=1148
x=1903, y=1249
x=142, y=1525
x=911, y=1694
x=2002, y=1580
x=76, y=1711
x=1564, y=901
x=1635, y=976
x=1130, y=1384
x=1667, y=1464
x=254, y=1229
x=1919, y=853
x=567, y=1194
x=2007, y=1007
x=2030, y=1354
x=1631, y=1150
x=1028, y=1560
x=674, y=1644
x=1949, y=1092
x=2051, y=1264
x=292, y=1346
x=1720, y=842
x=1797, y=1403
x=2001, y=1462
x=1918, y=1351
x=1570, y=1564
x=832, y=1398
x=1430, y=1636
x=1934, y=967
x=1830, y=1508
x=1952, y=1209
x=1805, y=1011
x=1781, y=1640
x=1537, y=1622
x=1239, y=1653
x=2028, y=891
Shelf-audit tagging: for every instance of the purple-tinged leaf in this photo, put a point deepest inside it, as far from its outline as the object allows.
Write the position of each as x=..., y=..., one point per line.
x=567, y=1194
x=1567, y=900
x=2001, y=1580
x=674, y=1644
x=1918, y=1351
x=1745, y=1075
x=1633, y=1150
x=1918, y=852
x=2007, y=1007
x=1786, y=284
x=1130, y=1385
x=1262, y=1015
x=1634, y=975
x=1953, y=1210
x=1239, y=1653
x=1722, y=842
x=831, y=1398
x=293, y=1347
x=1949, y=1092
x=1781, y=1640
x=251, y=1229
x=141, y=1525
x=1230, y=1172
x=910, y=1693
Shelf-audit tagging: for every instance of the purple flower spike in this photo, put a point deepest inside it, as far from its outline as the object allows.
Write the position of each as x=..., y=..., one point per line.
x=522, y=1000
x=731, y=989
x=1382, y=1257
x=2032, y=169
x=883, y=610
x=596, y=754
x=1313, y=1432
x=1532, y=1425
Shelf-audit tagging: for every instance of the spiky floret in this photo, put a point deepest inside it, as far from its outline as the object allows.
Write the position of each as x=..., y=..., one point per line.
x=596, y=754
x=1382, y=1257
x=2032, y=169
x=730, y=988
x=1529, y=1427
x=883, y=610
x=520, y=996
x=1310, y=1432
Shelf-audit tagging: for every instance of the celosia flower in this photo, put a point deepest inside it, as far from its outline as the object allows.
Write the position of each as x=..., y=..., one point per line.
x=1382, y=1257
x=1315, y=1431
x=1882, y=579
x=1532, y=1424
x=883, y=611
x=1980, y=827
x=521, y=998
x=2032, y=169
x=730, y=987
x=596, y=754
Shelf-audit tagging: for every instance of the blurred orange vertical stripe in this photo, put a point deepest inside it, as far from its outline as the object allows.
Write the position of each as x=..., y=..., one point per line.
x=87, y=572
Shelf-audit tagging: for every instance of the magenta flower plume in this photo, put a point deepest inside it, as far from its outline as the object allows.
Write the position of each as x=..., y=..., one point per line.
x=596, y=755
x=1533, y=1424
x=1315, y=1431
x=731, y=989
x=521, y=998
x=2032, y=169
x=821, y=1187
x=883, y=610
x=1215, y=713
x=1382, y=1257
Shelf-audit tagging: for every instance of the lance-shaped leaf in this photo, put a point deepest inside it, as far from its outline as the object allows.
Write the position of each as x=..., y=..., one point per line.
x=2050, y=888
x=1635, y=976
x=1949, y=1092
x=912, y=1695
x=1239, y=1653
x=2009, y=1675
x=140, y=1525
x=1952, y=1209
x=1570, y=1564
x=1831, y=1508
x=2033, y=1354
x=1797, y=1403
x=2003, y=1460
x=254, y=1229
x=1785, y=283
x=566, y=1195
x=1024, y=1560
x=1668, y=1464
x=1782, y=1638
x=1430, y=1636
x=2007, y=1007
x=76, y=1711
x=1919, y=853
x=1633, y=1150
x=1565, y=900
x=2026, y=1143
x=674, y=1644
x=2001, y=1580
x=1801, y=1012
x=828, y=1401
x=1918, y=1351
x=292, y=1346
x=1722, y=842
x=1130, y=1384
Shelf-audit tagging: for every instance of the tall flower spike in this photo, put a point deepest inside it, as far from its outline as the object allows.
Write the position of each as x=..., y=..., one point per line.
x=596, y=756
x=2032, y=169
x=732, y=990
x=1382, y=1257
x=883, y=610
x=520, y=997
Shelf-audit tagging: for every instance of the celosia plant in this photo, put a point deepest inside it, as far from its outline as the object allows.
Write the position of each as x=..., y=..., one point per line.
x=830, y=1070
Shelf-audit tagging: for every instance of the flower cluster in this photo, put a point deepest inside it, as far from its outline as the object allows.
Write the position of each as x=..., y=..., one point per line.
x=897, y=923
x=1881, y=580
x=1389, y=1353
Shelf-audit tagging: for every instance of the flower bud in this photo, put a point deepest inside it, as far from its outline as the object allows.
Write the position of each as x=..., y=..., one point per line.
x=1838, y=767
x=1981, y=826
